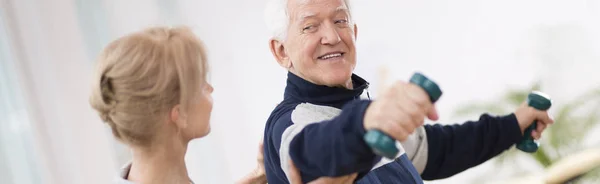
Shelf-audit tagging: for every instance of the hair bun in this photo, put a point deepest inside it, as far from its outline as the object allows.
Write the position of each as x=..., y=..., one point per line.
x=108, y=97
x=106, y=90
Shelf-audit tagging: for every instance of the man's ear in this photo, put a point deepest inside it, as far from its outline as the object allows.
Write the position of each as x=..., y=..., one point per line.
x=278, y=51
x=355, y=31
x=178, y=117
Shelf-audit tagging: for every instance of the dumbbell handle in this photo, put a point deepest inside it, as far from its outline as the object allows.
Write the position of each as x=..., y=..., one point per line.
x=381, y=143
x=541, y=102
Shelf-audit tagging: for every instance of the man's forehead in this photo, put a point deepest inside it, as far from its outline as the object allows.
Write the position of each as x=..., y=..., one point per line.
x=317, y=1
x=309, y=8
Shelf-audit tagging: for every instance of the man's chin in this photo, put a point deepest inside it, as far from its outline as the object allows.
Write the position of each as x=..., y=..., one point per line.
x=338, y=79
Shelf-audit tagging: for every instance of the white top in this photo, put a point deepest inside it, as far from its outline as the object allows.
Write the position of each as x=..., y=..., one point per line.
x=122, y=178
x=124, y=173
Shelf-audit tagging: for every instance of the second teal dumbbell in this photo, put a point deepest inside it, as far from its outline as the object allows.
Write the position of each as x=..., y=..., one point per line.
x=541, y=102
x=381, y=143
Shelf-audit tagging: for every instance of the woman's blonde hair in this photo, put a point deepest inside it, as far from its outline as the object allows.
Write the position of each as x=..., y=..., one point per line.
x=142, y=76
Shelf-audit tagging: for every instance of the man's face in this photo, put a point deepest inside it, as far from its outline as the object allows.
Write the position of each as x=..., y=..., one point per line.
x=320, y=41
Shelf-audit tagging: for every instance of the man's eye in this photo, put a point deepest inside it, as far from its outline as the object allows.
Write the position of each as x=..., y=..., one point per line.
x=310, y=28
x=343, y=21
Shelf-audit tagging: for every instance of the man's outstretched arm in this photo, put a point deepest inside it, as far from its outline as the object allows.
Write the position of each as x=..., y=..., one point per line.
x=455, y=148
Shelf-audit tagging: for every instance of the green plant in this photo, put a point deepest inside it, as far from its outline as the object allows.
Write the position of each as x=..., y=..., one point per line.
x=574, y=121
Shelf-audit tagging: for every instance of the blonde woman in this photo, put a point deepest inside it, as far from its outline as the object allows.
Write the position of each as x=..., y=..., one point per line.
x=150, y=88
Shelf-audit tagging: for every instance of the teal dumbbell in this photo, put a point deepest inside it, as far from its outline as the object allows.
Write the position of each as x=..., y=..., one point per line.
x=541, y=102
x=384, y=145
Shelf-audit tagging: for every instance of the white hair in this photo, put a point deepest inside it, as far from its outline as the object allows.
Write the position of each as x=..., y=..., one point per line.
x=277, y=18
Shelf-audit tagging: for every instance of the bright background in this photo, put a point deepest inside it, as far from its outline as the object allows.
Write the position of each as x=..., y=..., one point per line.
x=475, y=49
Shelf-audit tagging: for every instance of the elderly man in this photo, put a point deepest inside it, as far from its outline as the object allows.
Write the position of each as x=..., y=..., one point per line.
x=321, y=121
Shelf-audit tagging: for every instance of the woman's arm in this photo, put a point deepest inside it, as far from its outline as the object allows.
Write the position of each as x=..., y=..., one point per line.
x=258, y=175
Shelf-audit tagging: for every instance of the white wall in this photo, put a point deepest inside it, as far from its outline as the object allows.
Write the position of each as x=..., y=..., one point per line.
x=52, y=71
x=474, y=49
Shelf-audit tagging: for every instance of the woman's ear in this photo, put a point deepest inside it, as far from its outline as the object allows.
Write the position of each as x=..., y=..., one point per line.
x=178, y=117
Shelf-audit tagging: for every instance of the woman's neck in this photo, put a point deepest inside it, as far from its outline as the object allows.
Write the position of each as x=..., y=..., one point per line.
x=162, y=163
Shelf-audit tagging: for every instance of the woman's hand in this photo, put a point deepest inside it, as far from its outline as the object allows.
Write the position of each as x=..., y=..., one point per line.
x=258, y=175
x=296, y=179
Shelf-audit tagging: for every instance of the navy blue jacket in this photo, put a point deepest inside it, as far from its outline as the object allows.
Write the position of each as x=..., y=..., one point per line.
x=321, y=129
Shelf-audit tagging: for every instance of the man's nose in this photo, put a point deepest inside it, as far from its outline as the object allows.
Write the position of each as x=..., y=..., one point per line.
x=330, y=35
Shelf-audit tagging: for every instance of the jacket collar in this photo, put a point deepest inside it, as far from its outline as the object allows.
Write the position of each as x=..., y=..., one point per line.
x=305, y=91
